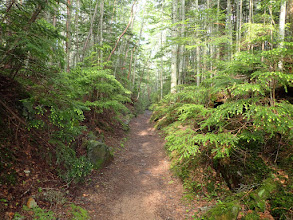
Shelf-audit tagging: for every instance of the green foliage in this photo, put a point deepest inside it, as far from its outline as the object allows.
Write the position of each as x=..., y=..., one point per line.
x=18, y=216
x=62, y=109
x=33, y=43
x=39, y=213
x=226, y=210
x=78, y=213
x=257, y=32
x=102, y=89
x=182, y=140
x=67, y=123
x=281, y=203
x=71, y=167
x=141, y=105
x=123, y=141
x=257, y=199
x=221, y=128
x=250, y=121
x=32, y=51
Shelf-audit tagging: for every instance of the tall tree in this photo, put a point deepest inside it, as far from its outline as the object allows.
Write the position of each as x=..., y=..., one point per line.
x=137, y=49
x=101, y=30
x=238, y=24
x=90, y=32
x=229, y=29
x=282, y=23
x=68, y=35
x=198, y=78
x=174, y=59
x=76, y=27
x=181, y=47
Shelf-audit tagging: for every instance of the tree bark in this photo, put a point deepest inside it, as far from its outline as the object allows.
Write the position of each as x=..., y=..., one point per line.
x=76, y=57
x=91, y=29
x=198, y=78
x=229, y=29
x=101, y=30
x=68, y=35
x=181, y=47
x=136, y=53
x=174, y=65
x=130, y=63
x=282, y=24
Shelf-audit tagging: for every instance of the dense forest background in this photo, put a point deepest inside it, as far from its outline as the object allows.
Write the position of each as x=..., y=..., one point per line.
x=217, y=73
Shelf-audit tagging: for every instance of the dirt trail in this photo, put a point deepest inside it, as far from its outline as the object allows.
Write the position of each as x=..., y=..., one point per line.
x=138, y=184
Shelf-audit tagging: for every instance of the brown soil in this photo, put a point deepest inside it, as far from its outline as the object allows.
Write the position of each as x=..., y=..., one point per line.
x=138, y=184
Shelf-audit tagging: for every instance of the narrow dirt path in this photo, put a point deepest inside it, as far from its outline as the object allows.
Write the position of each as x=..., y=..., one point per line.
x=138, y=184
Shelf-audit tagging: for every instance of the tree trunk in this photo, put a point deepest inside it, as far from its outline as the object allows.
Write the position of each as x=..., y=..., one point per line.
x=181, y=47
x=282, y=24
x=174, y=47
x=161, y=60
x=240, y=25
x=136, y=53
x=218, y=28
x=130, y=63
x=68, y=35
x=76, y=32
x=290, y=15
x=90, y=30
x=101, y=30
x=229, y=29
x=119, y=38
x=250, y=21
x=197, y=52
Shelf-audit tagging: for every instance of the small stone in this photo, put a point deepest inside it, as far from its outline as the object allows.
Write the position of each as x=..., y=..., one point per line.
x=31, y=203
x=27, y=172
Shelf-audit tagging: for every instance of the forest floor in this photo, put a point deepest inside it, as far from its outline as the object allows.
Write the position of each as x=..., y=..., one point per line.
x=138, y=184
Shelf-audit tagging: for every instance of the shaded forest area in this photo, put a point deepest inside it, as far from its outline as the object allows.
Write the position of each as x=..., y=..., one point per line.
x=217, y=73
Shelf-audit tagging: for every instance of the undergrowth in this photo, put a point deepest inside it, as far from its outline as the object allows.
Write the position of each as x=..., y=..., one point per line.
x=62, y=111
x=231, y=133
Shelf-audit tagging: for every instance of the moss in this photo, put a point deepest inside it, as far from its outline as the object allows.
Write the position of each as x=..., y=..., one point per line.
x=258, y=198
x=7, y=174
x=98, y=153
x=224, y=211
x=251, y=216
x=78, y=213
x=281, y=203
x=242, y=169
x=285, y=160
x=211, y=186
x=98, y=164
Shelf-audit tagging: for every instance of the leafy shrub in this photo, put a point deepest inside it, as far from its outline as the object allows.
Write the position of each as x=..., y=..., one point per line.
x=250, y=120
x=71, y=167
x=61, y=111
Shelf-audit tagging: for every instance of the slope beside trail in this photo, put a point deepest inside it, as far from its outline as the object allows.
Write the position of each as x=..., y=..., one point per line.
x=138, y=184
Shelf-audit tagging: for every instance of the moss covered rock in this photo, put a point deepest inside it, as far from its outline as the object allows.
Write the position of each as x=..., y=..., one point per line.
x=126, y=119
x=98, y=153
x=224, y=211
